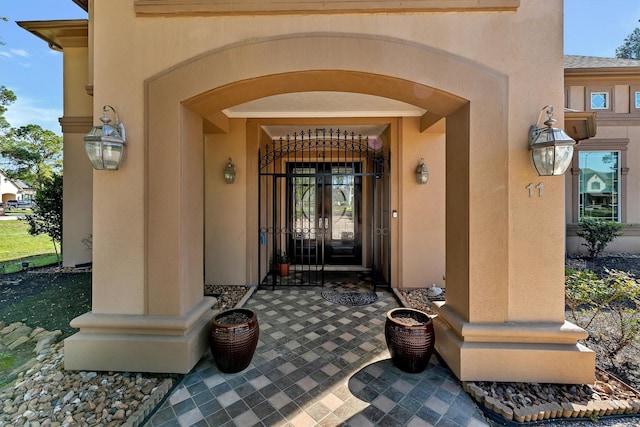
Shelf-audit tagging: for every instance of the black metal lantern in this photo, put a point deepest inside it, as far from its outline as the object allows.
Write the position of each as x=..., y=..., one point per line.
x=551, y=148
x=105, y=144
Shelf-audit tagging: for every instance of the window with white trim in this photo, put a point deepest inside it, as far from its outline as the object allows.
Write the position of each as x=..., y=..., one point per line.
x=599, y=185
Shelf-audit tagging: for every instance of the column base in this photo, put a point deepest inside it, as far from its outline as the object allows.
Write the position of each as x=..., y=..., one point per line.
x=137, y=343
x=513, y=352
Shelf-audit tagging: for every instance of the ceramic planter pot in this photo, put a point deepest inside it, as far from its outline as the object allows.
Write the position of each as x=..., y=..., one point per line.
x=283, y=269
x=410, y=338
x=233, y=339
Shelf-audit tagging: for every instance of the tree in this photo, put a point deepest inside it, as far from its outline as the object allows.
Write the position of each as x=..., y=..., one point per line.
x=630, y=49
x=3, y=19
x=6, y=97
x=47, y=214
x=33, y=154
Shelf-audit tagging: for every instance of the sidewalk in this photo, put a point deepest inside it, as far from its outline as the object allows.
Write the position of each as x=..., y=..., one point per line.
x=9, y=216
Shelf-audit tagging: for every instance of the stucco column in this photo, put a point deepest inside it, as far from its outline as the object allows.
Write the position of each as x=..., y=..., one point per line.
x=503, y=319
x=148, y=310
x=78, y=174
x=155, y=322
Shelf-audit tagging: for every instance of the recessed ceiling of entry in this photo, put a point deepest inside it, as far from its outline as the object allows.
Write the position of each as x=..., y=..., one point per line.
x=323, y=104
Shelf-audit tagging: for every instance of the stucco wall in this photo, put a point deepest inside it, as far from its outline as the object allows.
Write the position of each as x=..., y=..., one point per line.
x=78, y=173
x=225, y=215
x=167, y=75
x=155, y=45
x=422, y=212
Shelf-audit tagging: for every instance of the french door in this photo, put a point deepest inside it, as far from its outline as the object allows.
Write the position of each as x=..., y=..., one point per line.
x=325, y=214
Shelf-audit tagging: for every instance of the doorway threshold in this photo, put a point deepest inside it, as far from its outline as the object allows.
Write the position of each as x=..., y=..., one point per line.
x=327, y=267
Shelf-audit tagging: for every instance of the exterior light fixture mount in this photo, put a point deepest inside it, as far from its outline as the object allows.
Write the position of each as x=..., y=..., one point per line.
x=105, y=144
x=229, y=172
x=551, y=148
x=422, y=173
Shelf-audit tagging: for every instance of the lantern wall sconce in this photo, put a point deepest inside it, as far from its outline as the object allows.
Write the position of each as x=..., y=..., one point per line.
x=105, y=144
x=422, y=173
x=551, y=148
x=229, y=172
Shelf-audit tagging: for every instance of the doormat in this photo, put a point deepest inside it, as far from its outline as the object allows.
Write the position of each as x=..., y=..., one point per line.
x=350, y=299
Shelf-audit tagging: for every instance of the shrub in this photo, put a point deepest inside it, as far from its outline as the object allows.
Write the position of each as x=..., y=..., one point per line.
x=598, y=234
x=607, y=308
x=583, y=290
x=47, y=215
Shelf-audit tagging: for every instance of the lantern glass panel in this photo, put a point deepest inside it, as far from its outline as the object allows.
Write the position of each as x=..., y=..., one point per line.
x=94, y=152
x=112, y=153
x=563, y=156
x=552, y=160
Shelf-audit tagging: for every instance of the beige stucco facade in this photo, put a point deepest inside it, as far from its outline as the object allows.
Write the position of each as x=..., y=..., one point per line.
x=617, y=130
x=166, y=222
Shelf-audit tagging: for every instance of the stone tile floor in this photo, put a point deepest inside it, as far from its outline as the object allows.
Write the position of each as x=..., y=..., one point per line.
x=319, y=364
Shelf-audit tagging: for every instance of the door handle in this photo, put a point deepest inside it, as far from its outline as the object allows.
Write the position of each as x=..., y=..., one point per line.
x=326, y=222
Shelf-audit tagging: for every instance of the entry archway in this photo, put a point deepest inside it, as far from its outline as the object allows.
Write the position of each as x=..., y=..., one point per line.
x=185, y=102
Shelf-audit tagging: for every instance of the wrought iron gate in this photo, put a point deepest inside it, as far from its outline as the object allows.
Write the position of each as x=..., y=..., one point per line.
x=323, y=200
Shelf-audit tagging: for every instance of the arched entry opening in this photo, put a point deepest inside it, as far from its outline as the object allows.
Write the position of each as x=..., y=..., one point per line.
x=189, y=101
x=342, y=248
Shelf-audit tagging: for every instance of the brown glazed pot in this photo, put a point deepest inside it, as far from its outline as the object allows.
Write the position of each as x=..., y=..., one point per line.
x=410, y=346
x=233, y=345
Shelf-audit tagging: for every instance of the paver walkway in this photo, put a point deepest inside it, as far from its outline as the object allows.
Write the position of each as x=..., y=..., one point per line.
x=319, y=363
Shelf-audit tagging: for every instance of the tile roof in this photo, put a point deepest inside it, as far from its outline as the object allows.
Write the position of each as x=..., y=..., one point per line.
x=576, y=61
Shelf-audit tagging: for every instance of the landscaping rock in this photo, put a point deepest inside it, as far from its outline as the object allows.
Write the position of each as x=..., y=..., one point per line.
x=44, y=394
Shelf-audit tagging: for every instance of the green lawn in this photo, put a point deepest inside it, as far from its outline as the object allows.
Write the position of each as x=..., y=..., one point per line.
x=17, y=245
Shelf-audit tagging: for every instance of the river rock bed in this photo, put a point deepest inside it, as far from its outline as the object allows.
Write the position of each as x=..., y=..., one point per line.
x=418, y=299
x=227, y=296
x=524, y=402
x=44, y=394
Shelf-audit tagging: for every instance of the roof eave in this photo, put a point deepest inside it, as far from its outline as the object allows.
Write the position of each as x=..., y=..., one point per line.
x=602, y=71
x=57, y=34
x=84, y=4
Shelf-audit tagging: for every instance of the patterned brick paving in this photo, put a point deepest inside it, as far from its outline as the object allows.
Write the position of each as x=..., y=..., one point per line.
x=319, y=364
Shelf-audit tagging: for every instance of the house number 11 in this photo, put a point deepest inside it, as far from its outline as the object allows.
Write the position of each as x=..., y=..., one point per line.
x=538, y=187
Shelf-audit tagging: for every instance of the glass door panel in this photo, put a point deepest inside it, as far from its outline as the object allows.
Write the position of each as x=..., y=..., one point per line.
x=304, y=203
x=325, y=203
x=342, y=195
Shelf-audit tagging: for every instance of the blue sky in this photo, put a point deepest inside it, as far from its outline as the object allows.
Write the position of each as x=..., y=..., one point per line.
x=28, y=67
x=34, y=72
